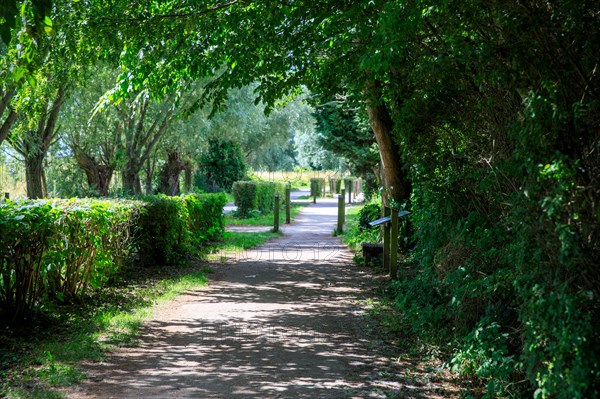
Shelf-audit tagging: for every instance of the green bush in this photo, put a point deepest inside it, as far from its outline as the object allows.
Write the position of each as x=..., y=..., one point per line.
x=367, y=214
x=335, y=185
x=244, y=193
x=256, y=195
x=171, y=227
x=56, y=250
x=265, y=193
x=205, y=217
x=222, y=164
x=161, y=234
x=316, y=186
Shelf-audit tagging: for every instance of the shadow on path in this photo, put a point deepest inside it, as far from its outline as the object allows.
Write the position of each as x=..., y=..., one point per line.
x=281, y=321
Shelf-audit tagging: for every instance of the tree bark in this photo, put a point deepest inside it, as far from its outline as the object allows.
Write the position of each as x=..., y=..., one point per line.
x=33, y=175
x=169, y=176
x=395, y=180
x=187, y=175
x=36, y=143
x=12, y=115
x=98, y=176
x=131, y=180
x=150, y=166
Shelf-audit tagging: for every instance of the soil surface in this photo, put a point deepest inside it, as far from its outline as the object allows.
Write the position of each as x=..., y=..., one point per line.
x=286, y=320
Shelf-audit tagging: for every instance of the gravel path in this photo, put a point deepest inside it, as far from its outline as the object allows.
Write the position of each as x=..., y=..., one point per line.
x=281, y=321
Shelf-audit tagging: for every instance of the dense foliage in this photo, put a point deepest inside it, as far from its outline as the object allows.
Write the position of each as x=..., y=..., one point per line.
x=486, y=120
x=316, y=186
x=222, y=163
x=256, y=195
x=344, y=132
x=56, y=250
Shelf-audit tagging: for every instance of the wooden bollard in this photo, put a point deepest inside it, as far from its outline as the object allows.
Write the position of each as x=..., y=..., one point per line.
x=276, y=214
x=6, y=195
x=386, y=241
x=341, y=214
x=288, y=206
x=343, y=194
x=394, y=245
x=350, y=193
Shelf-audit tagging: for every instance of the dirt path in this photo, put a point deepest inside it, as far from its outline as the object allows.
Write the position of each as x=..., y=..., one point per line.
x=282, y=321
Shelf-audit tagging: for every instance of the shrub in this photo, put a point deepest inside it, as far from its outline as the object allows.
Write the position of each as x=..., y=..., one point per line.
x=335, y=185
x=367, y=214
x=265, y=192
x=58, y=249
x=244, y=193
x=316, y=186
x=171, y=227
x=205, y=217
x=251, y=195
x=161, y=233
x=223, y=163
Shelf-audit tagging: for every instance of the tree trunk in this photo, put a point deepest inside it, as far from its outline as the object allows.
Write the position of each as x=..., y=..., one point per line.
x=131, y=180
x=169, y=176
x=187, y=175
x=35, y=143
x=105, y=174
x=395, y=180
x=33, y=175
x=150, y=168
x=98, y=176
x=5, y=99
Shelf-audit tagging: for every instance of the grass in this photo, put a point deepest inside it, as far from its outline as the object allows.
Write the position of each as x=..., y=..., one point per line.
x=234, y=243
x=258, y=219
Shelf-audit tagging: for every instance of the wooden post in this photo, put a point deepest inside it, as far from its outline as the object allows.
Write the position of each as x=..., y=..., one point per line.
x=341, y=214
x=276, y=214
x=6, y=195
x=343, y=194
x=386, y=241
x=349, y=191
x=288, y=204
x=394, y=245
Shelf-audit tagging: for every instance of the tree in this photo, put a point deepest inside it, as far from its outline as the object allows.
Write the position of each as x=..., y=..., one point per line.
x=333, y=55
x=488, y=109
x=343, y=132
x=36, y=81
x=222, y=163
x=93, y=140
x=34, y=141
x=169, y=176
x=143, y=127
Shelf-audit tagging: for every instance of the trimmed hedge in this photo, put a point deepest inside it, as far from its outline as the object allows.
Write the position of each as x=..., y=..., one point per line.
x=205, y=217
x=253, y=195
x=58, y=249
x=244, y=193
x=316, y=186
